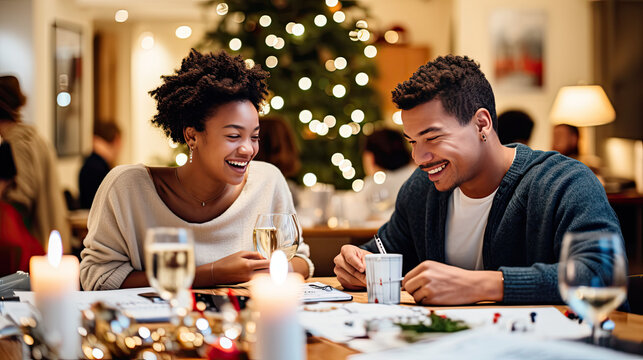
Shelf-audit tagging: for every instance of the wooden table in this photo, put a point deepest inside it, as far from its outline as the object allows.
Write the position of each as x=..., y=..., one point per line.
x=628, y=326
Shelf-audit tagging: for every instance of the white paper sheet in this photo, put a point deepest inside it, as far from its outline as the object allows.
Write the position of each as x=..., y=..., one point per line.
x=343, y=323
x=127, y=300
x=484, y=345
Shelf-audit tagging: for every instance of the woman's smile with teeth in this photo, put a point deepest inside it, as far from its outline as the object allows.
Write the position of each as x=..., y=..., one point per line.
x=237, y=163
x=437, y=169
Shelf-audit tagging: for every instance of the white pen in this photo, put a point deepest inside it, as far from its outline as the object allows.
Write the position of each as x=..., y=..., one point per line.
x=379, y=244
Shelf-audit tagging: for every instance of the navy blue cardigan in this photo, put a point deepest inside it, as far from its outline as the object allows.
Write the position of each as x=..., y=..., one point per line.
x=542, y=196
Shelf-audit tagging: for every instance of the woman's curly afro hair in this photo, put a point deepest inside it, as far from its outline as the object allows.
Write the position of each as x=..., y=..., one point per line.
x=205, y=81
x=456, y=80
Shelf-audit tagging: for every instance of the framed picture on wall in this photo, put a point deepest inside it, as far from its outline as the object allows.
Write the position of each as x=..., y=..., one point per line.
x=68, y=77
x=518, y=47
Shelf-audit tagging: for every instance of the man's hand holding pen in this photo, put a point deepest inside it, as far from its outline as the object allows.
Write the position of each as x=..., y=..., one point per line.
x=350, y=267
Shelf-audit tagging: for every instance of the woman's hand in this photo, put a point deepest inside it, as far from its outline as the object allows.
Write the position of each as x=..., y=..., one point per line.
x=236, y=268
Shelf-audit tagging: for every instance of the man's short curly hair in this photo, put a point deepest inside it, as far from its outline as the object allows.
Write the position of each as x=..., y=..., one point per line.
x=204, y=82
x=457, y=81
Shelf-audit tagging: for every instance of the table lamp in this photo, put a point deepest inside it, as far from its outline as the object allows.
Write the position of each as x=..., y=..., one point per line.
x=582, y=106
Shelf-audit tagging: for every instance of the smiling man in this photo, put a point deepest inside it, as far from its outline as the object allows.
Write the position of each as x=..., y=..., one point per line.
x=478, y=220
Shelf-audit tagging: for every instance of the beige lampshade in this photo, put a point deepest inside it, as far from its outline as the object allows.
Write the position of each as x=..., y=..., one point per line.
x=586, y=105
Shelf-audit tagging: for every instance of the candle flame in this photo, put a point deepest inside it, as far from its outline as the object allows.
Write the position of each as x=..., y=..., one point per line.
x=55, y=249
x=278, y=267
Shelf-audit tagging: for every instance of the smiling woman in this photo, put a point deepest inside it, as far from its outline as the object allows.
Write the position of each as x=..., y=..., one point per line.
x=210, y=104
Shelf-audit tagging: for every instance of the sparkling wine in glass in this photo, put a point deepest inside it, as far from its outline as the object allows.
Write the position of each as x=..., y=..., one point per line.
x=276, y=232
x=593, y=285
x=169, y=264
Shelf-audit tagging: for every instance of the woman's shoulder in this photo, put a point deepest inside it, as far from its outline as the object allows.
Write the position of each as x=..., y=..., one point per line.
x=261, y=171
x=123, y=175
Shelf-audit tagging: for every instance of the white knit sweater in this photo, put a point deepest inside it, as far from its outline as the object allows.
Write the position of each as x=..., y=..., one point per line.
x=127, y=204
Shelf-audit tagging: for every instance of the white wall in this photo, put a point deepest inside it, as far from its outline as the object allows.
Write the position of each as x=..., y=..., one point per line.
x=150, y=145
x=27, y=52
x=567, y=52
x=16, y=49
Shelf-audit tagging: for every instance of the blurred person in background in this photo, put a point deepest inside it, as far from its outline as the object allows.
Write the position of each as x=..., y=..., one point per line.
x=565, y=140
x=17, y=245
x=277, y=146
x=106, y=145
x=37, y=193
x=514, y=126
x=387, y=163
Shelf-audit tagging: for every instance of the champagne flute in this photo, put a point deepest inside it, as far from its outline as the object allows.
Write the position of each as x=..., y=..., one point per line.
x=169, y=265
x=276, y=232
x=593, y=292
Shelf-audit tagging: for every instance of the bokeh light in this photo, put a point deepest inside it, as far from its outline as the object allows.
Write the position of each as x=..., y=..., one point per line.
x=370, y=51
x=305, y=83
x=320, y=20
x=391, y=36
x=336, y=158
x=339, y=17
x=361, y=79
x=305, y=116
x=271, y=61
x=358, y=185
x=183, y=32
x=147, y=40
x=340, y=63
x=310, y=179
x=265, y=20
x=121, y=16
x=298, y=30
x=357, y=115
x=222, y=8
x=235, y=44
x=345, y=131
x=339, y=90
x=397, y=117
x=379, y=177
x=330, y=121
x=277, y=102
x=181, y=159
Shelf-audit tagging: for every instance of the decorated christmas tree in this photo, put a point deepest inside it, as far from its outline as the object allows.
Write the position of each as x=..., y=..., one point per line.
x=321, y=60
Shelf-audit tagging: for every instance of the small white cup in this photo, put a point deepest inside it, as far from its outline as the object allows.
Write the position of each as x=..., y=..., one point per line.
x=383, y=278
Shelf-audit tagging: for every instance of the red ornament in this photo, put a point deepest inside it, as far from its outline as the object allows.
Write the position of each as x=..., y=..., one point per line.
x=217, y=351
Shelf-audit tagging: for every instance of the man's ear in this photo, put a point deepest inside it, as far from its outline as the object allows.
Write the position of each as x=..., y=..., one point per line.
x=483, y=121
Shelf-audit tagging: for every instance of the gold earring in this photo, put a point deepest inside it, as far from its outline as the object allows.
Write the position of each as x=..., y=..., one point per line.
x=484, y=137
x=190, y=155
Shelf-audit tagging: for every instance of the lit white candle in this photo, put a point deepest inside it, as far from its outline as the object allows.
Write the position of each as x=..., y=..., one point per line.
x=279, y=335
x=53, y=279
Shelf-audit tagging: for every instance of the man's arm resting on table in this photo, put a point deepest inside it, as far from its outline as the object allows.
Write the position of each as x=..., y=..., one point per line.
x=436, y=283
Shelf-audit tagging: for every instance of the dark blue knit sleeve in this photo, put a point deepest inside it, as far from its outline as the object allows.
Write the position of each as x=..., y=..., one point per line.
x=564, y=196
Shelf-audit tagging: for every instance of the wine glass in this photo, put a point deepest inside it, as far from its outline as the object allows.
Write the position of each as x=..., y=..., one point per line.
x=276, y=232
x=169, y=265
x=593, y=292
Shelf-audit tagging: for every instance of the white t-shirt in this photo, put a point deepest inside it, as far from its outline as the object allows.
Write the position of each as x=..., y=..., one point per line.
x=466, y=222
